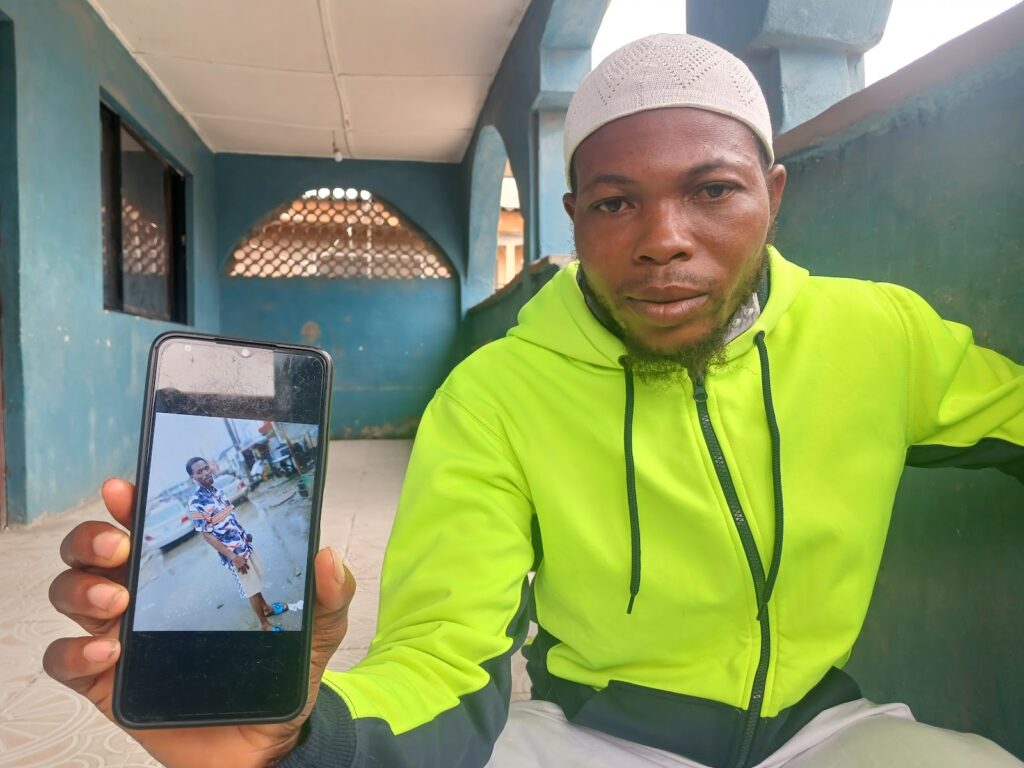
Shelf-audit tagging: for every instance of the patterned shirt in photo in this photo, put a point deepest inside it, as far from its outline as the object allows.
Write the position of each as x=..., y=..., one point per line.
x=212, y=513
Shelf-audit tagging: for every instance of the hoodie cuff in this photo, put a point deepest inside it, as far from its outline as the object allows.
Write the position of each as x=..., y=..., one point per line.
x=328, y=737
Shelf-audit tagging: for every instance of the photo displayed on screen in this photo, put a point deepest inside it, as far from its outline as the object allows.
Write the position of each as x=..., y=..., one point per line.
x=226, y=525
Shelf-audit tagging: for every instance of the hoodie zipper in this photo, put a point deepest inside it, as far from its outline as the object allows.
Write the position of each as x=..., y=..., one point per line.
x=700, y=396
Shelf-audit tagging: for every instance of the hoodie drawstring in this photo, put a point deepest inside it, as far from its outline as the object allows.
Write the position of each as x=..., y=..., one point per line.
x=773, y=431
x=634, y=514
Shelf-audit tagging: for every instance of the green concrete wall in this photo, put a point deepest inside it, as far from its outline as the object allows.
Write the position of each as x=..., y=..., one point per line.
x=930, y=196
x=491, y=319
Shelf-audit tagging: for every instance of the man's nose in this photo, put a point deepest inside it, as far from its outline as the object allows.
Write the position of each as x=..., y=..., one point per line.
x=667, y=233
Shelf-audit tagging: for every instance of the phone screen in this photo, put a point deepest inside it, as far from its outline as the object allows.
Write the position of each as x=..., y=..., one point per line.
x=229, y=487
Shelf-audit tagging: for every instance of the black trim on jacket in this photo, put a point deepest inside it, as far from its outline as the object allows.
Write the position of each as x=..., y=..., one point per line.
x=703, y=730
x=988, y=452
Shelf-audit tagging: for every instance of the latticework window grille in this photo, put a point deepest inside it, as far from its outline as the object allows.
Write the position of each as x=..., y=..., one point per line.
x=143, y=245
x=338, y=234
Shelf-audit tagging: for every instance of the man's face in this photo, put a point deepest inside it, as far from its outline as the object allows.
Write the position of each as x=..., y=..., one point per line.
x=202, y=474
x=671, y=212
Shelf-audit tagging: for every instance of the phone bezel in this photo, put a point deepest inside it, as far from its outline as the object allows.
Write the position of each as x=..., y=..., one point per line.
x=145, y=446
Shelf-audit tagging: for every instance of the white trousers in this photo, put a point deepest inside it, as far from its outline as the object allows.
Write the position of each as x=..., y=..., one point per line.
x=857, y=734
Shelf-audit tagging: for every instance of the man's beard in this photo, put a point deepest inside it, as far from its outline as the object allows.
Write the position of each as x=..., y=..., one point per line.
x=652, y=366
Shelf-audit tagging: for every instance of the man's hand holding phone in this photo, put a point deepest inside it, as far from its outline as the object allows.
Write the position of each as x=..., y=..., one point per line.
x=92, y=593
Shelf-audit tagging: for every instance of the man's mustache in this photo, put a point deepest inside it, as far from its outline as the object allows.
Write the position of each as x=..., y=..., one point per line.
x=675, y=275
x=663, y=279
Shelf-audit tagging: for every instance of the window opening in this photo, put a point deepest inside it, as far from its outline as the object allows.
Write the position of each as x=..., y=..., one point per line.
x=143, y=215
x=509, y=259
x=338, y=233
x=916, y=28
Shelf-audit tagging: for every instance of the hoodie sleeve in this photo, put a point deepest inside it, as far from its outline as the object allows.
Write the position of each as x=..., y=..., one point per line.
x=434, y=688
x=966, y=403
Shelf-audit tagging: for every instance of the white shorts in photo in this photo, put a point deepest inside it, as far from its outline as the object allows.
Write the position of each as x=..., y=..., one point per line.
x=250, y=583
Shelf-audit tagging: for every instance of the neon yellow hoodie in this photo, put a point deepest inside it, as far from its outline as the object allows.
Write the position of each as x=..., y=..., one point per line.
x=705, y=553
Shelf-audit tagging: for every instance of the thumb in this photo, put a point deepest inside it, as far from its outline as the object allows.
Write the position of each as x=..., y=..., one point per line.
x=335, y=587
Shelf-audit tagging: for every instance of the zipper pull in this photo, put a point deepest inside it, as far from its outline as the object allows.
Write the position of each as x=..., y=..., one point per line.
x=699, y=393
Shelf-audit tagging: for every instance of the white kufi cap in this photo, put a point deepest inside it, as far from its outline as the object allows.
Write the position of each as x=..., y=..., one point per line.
x=662, y=71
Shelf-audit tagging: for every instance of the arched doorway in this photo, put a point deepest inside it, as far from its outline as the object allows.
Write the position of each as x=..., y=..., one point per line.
x=511, y=245
x=347, y=271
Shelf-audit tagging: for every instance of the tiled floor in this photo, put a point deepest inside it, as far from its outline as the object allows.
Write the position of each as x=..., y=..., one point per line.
x=44, y=725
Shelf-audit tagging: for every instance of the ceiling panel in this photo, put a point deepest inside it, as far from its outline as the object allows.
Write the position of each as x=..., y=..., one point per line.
x=247, y=137
x=428, y=103
x=299, y=98
x=273, y=76
x=431, y=147
x=273, y=34
x=442, y=37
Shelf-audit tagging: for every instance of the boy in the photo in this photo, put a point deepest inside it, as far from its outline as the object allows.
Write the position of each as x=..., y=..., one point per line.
x=213, y=515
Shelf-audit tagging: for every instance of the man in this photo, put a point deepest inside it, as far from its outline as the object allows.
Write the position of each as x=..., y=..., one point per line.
x=213, y=516
x=694, y=444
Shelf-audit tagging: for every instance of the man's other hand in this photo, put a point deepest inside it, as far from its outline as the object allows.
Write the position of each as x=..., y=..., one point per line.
x=240, y=564
x=92, y=593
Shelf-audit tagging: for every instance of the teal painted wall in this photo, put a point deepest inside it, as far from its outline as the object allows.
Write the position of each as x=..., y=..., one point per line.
x=930, y=196
x=81, y=372
x=393, y=341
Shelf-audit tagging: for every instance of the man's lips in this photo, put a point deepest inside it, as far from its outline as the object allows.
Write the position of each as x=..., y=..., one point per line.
x=665, y=293
x=668, y=305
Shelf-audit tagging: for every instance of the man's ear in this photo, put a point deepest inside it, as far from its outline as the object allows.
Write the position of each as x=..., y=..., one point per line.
x=569, y=203
x=775, y=178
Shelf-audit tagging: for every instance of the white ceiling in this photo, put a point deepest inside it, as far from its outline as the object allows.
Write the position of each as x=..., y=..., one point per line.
x=377, y=79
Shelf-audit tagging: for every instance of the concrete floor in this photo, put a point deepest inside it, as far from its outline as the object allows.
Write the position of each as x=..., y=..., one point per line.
x=44, y=725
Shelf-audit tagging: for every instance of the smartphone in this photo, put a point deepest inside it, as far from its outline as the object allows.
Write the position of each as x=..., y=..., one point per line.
x=225, y=527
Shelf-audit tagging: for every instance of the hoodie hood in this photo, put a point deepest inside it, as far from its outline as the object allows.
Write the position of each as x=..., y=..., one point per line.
x=558, y=318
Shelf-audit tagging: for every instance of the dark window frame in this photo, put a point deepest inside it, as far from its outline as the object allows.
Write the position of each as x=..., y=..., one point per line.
x=111, y=125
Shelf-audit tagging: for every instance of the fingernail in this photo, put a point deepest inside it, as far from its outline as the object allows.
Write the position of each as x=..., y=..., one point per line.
x=103, y=595
x=105, y=544
x=339, y=568
x=100, y=650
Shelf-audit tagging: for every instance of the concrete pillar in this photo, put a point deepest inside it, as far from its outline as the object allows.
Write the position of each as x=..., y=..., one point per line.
x=553, y=231
x=564, y=61
x=489, y=158
x=807, y=54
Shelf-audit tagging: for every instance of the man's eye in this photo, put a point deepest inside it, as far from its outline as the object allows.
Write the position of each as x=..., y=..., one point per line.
x=715, y=191
x=611, y=206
